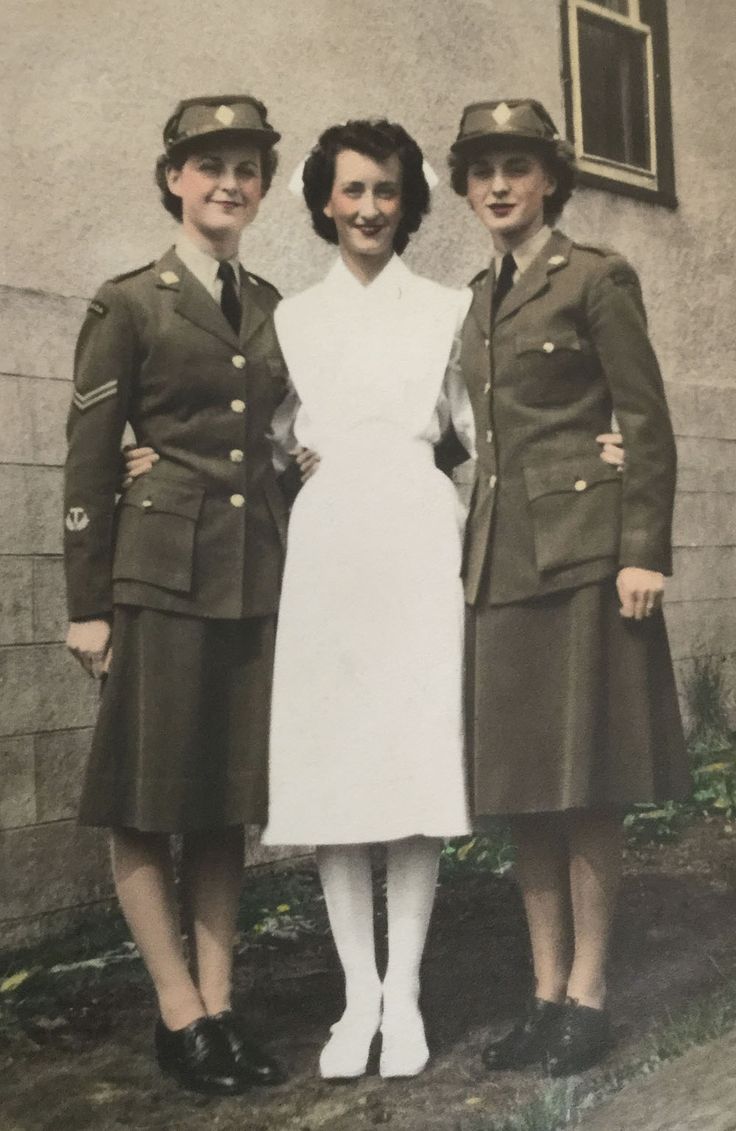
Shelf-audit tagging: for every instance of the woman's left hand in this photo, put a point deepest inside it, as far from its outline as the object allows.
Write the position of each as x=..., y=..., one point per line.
x=640, y=591
x=612, y=449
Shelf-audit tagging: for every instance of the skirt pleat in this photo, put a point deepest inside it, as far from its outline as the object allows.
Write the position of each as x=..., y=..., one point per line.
x=181, y=741
x=571, y=706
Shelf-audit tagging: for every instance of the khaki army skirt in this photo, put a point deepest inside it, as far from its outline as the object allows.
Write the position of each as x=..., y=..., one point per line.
x=570, y=706
x=181, y=741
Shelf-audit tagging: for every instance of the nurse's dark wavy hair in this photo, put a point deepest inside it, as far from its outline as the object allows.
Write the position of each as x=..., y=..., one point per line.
x=175, y=160
x=378, y=139
x=558, y=158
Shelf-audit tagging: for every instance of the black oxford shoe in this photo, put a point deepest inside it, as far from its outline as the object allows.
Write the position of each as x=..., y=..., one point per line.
x=252, y=1064
x=582, y=1040
x=198, y=1057
x=530, y=1039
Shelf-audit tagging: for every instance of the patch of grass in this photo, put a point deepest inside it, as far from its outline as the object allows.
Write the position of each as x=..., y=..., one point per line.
x=491, y=852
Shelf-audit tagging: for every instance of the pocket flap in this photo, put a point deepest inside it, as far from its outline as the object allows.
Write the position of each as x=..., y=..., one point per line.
x=165, y=496
x=548, y=343
x=576, y=474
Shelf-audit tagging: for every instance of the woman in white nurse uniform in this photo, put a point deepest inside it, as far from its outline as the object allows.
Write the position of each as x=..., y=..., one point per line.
x=366, y=737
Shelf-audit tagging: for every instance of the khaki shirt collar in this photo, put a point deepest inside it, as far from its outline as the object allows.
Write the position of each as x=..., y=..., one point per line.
x=204, y=266
x=525, y=254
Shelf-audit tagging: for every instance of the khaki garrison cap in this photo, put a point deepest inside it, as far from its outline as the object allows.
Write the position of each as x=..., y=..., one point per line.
x=516, y=119
x=219, y=115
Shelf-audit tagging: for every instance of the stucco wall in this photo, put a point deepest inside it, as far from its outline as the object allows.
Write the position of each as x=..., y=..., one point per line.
x=85, y=89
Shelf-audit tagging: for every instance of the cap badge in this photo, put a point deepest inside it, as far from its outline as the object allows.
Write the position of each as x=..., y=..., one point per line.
x=502, y=113
x=76, y=519
x=225, y=115
x=169, y=277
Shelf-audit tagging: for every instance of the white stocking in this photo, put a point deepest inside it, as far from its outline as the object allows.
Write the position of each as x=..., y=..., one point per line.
x=411, y=879
x=347, y=882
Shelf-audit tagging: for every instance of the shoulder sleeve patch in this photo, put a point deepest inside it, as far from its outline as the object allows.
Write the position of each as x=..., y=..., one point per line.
x=132, y=274
x=98, y=308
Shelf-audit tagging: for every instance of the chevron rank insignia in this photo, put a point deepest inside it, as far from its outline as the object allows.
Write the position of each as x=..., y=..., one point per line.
x=97, y=307
x=83, y=401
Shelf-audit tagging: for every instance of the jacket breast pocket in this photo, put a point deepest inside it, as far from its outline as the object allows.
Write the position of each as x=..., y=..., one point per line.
x=550, y=369
x=575, y=506
x=157, y=521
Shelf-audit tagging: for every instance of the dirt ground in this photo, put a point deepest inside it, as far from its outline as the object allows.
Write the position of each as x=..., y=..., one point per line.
x=675, y=943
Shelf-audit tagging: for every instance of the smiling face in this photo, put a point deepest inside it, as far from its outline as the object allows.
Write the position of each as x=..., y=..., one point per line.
x=365, y=206
x=220, y=188
x=506, y=190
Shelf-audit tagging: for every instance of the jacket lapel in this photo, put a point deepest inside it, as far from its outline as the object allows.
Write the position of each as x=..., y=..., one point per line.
x=256, y=307
x=481, y=305
x=553, y=255
x=192, y=300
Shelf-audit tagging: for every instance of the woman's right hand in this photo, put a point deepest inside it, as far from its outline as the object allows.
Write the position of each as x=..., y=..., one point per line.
x=307, y=461
x=138, y=461
x=89, y=641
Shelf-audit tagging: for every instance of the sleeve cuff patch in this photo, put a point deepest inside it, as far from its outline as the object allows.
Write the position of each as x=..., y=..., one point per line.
x=76, y=519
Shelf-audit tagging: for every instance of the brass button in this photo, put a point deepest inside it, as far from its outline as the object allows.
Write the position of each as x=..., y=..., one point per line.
x=486, y=342
x=492, y=482
x=487, y=387
x=237, y=500
x=147, y=503
x=239, y=361
x=489, y=436
x=237, y=406
x=237, y=455
x=548, y=347
x=581, y=484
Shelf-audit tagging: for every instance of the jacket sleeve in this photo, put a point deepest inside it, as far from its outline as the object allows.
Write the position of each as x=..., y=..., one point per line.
x=104, y=367
x=617, y=322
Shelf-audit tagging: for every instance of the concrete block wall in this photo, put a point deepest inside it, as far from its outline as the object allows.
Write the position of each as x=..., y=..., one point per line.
x=49, y=868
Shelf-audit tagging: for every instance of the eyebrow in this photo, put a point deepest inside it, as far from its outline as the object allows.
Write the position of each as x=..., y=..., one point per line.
x=357, y=183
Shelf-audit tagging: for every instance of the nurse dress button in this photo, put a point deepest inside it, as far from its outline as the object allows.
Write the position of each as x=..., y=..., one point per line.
x=237, y=500
x=581, y=484
x=237, y=455
x=239, y=361
x=548, y=347
x=237, y=405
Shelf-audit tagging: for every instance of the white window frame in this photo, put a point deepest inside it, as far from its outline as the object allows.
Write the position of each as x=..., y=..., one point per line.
x=590, y=162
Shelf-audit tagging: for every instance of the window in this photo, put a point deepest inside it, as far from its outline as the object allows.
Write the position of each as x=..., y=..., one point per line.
x=617, y=95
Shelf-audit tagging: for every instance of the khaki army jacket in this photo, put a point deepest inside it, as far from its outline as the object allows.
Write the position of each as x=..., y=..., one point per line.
x=567, y=347
x=204, y=532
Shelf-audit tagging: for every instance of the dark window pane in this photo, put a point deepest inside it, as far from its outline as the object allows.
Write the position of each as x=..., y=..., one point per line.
x=613, y=91
x=620, y=6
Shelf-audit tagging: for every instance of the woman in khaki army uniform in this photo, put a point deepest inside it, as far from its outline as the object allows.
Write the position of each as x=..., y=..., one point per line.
x=573, y=712
x=173, y=595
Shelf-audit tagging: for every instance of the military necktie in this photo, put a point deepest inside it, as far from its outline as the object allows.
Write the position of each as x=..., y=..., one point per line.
x=505, y=280
x=229, y=301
